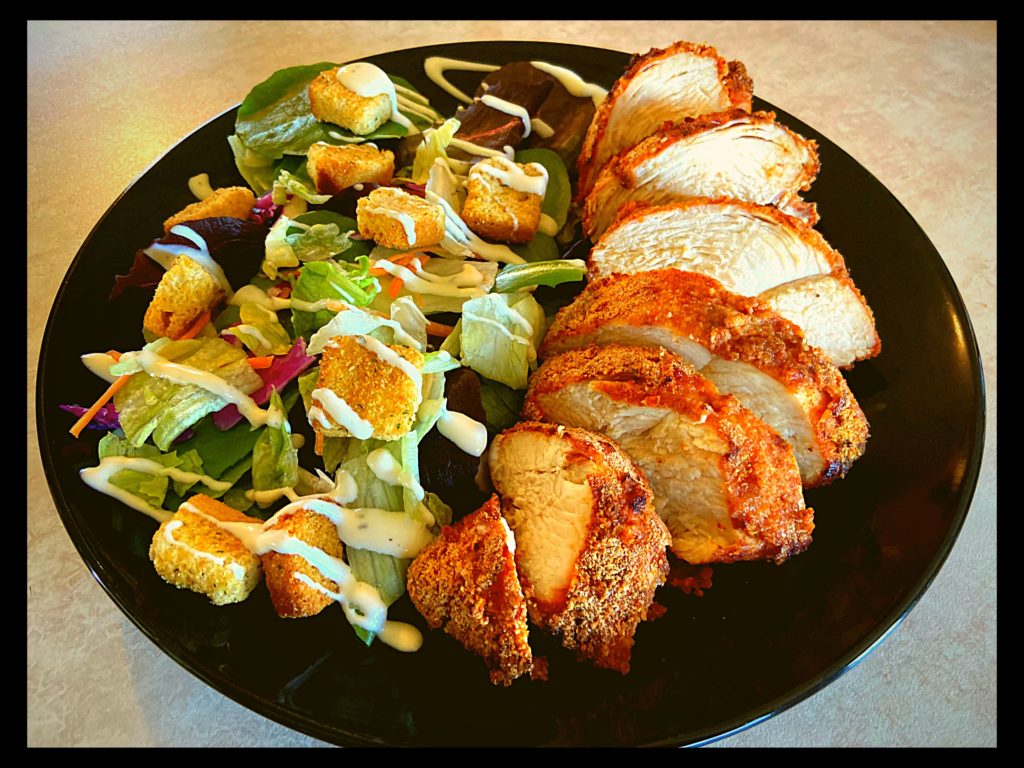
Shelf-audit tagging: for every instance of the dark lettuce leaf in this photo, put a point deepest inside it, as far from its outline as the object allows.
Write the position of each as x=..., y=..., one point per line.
x=492, y=128
x=235, y=244
x=569, y=116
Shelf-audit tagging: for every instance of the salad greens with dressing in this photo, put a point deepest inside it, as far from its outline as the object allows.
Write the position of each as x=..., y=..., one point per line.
x=211, y=411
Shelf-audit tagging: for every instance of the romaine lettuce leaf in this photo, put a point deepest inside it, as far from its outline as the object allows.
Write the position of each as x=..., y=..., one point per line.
x=299, y=184
x=351, y=283
x=275, y=461
x=260, y=331
x=435, y=142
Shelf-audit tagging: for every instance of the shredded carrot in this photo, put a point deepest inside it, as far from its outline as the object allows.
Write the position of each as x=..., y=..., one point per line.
x=439, y=329
x=399, y=259
x=197, y=326
x=86, y=417
x=261, y=362
x=395, y=287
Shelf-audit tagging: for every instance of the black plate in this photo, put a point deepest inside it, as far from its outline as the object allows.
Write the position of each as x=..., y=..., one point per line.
x=759, y=641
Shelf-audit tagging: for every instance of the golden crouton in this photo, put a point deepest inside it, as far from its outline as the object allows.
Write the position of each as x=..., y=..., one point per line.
x=377, y=391
x=184, y=292
x=333, y=169
x=397, y=219
x=497, y=211
x=233, y=202
x=191, y=552
x=332, y=102
x=292, y=597
x=466, y=582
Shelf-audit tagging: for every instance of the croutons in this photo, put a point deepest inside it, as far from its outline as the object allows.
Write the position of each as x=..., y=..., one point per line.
x=381, y=395
x=185, y=291
x=397, y=219
x=292, y=597
x=332, y=102
x=333, y=169
x=465, y=581
x=233, y=202
x=191, y=552
x=497, y=207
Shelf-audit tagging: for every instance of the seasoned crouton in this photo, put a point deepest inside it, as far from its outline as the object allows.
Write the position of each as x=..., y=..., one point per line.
x=465, y=581
x=332, y=102
x=233, y=202
x=497, y=205
x=381, y=396
x=333, y=169
x=292, y=597
x=398, y=219
x=192, y=552
x=184, y=292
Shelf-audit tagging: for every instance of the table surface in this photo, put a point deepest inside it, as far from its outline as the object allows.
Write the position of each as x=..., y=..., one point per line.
x=913, y=102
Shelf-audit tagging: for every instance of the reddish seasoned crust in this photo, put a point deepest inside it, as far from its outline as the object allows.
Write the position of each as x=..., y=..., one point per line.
x=620, y=170
x=731, y=327
x=623, y=560
x=635, y=211
x=291, y=597
x=465, y=582
x=731, y=74
x=762, y=481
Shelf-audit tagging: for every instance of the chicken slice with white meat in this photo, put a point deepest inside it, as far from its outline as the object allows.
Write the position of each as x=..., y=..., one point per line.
x=740, y=344
x=724, y=482
x=682, y=80
x=726, y=154
x=590, y=550
x=752, y=250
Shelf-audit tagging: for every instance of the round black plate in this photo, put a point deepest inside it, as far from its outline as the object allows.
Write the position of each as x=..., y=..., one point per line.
x=760, y=640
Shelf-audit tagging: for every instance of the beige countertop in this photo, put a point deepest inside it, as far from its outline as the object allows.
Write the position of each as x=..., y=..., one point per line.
x=913, y=102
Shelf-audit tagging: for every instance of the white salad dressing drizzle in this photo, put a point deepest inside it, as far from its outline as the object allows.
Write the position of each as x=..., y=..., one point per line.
x=387, y=355
x=382, y=463
x=436, y=285
x=509, y=108
x=547, y=225
x=467, y=433
x=340, y=411
x=475, y=149
x=511, y=175
x=98, y=478
x=435, y=66
x=456, y=229
x=199, y=185
x=541, y=128
x=251, y=294
x=572, y=82
x=369, y=80
x=161, y=367
x=252, y=331
x=372, y=529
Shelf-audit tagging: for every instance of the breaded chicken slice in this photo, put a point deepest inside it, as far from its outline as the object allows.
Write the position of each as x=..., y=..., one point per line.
x=296, y=585
x=465, y=582
x=740, y=344
x=192, y=552
x=590, y=550
x=724, y=482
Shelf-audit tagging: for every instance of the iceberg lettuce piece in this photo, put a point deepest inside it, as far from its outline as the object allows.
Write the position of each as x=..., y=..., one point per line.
x=358, y=322
x=275, y=461
x=260, y=331
x=499, y=336
x=149, y=405
x=257, y=170
x=298, y=184
x=340, y=281
x=435, y=143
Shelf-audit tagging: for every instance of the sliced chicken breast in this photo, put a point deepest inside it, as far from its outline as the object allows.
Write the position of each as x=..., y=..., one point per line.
x=683, y=80
x=726, y=154
x=740, y=344
x=590, y=550
x=724, y=482
x=465, y=582
x=751, y=250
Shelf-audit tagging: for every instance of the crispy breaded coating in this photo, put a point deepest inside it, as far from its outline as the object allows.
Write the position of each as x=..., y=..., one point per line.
x=291, y=596
x=332, y=102
x=184, y=292
x=333, y=169
x=590, y=549
x=377, y=391
x=465, y=582
x=398, y=219
x=233, y=202
x=191, y=552
x=726, y=484
x=495, y=210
